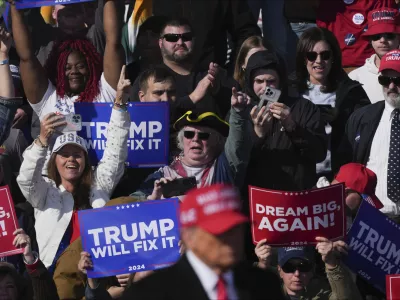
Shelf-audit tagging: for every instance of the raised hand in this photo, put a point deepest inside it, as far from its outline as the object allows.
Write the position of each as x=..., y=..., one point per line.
x=330, y=251
x=262, y=121
x=157, y=190
x=281, y=112
x=215, y=72
x=5, y=41
x=85, y=262
x=22, y=240
x=123, y=279
x=49, y=125
x=263, y=252
x=239, y=100
x=123, y=88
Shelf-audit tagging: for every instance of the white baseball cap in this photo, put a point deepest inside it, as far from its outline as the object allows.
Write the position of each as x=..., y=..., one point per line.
x=67, y=139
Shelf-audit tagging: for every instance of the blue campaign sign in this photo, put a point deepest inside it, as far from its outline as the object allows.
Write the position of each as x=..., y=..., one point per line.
x=22, y=4
x=374, y=242
x=148, y=142
x=131, y=237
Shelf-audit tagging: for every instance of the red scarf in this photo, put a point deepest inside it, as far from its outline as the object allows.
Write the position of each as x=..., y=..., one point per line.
x=178, y=167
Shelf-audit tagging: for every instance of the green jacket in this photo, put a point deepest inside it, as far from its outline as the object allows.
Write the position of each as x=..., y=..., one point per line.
x=339, y=286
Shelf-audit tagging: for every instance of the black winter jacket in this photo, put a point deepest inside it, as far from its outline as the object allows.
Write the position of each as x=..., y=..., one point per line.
x=350, y=96
x=286, y=160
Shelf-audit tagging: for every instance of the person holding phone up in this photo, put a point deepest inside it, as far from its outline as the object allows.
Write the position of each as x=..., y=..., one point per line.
x=289, y=137
x=213, y=151
x=71, y=185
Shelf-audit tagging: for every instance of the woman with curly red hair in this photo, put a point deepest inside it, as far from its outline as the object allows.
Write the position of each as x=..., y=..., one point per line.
x=73, y=70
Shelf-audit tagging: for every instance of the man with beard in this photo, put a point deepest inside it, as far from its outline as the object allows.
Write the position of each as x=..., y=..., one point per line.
x=372, y=136
x=383, y=34
x=205, y=90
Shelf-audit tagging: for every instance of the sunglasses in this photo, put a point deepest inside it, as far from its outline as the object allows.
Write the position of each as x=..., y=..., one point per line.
x=302, y=267
x=174, y=37
x=386, y=36
x=386, y=80
x=312, y=55
x=204, y=136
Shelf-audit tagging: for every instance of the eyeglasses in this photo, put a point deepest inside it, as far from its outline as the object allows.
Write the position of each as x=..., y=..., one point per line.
x=386, y=80
x=302, y=267
x=386, y=36
x=204, y=136
x=312, y=55
x=174, y=37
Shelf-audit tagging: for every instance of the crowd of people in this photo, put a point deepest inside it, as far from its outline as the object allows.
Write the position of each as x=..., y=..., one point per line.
x=287, y=104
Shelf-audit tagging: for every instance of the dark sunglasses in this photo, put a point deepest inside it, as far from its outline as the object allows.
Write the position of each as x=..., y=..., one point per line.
x=204, y=136
x=312, y=55
x=386, y=36
x=386, y=80
x=174, y=37
x=302, y=267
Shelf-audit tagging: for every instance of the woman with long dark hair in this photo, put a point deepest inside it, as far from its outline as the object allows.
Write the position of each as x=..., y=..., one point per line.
x=321, y=79
x=71, y=185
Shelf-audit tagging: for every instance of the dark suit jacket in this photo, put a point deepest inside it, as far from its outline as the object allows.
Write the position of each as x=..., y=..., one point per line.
x=360, y=132
x=181, y=282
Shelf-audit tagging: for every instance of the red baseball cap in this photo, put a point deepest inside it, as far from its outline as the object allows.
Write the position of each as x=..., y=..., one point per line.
x=360, y=179
x=215, y=209
x=383, y=20
x=390, y=60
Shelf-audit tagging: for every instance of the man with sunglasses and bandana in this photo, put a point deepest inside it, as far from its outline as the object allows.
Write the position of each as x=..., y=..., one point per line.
x=372, y=136
x=384, y=35
x=296, y=268
x=212, y=150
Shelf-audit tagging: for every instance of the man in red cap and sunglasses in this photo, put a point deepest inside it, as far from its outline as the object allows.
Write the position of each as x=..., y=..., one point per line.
x=372, y=136
x=384, y=35
x=212, y=229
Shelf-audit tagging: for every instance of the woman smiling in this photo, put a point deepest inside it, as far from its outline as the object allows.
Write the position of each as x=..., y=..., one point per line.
x=321, y=79
x=71, y=184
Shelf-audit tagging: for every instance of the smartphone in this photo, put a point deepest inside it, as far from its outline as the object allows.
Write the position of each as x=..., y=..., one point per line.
x=271, y=95
x=178, y=187
x=74, y=123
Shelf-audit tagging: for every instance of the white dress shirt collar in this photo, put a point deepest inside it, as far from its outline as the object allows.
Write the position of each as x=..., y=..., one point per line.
x=388, y=112
x=209, y=278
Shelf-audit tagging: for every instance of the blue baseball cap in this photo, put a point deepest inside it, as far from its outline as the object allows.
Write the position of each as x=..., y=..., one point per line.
x=287, y=253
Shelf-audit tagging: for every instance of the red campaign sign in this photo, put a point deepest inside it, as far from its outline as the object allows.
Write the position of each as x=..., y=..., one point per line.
x=392, y=287
x=297, y=218
x=8, y=223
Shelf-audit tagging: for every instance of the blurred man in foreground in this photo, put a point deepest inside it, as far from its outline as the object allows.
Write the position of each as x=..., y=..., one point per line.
x=212, y=267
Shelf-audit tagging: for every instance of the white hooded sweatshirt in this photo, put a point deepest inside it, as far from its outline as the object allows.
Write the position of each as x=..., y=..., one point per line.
x=367, y=75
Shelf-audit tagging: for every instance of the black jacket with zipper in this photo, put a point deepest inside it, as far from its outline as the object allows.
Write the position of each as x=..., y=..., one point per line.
x=287, y=160
x=350, y=96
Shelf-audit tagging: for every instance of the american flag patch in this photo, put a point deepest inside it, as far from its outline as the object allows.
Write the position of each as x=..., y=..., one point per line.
x=368, y=199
